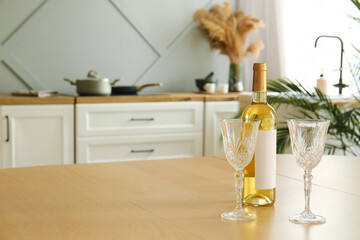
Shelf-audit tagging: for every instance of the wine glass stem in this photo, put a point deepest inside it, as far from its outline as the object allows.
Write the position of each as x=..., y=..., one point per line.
x=307, y=189
x=239, y=175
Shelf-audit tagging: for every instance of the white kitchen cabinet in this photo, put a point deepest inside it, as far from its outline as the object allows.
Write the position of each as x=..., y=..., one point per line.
x=138, y=131
x=34, y=135
x=214, y=111
x=114, y=119
x=139, y=147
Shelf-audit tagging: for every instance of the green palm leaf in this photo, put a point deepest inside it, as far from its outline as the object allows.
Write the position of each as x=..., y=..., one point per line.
x=356, y=3
x=343, y=134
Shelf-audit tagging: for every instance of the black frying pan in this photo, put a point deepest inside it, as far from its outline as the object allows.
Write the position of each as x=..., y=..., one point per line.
x=131, y=90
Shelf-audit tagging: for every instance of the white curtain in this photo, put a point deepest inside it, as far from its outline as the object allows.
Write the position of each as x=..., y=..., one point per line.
x=292, y=27
x=269, y=11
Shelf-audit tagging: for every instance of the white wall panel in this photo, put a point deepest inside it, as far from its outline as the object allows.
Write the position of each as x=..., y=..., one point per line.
x=8, y=80
x=166, y=19
x=141, y=41
x=9, y=21
x=191, y=58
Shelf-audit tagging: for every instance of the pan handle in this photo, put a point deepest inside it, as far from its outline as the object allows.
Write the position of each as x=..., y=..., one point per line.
x=148, y=85
x=115, y=81
x=70, y=81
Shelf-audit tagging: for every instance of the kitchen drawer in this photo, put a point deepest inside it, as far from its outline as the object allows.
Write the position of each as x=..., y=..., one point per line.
x=141, y=147
x=138, y=118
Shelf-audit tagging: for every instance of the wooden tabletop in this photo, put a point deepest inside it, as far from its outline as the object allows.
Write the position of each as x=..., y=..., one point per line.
x=171, y=199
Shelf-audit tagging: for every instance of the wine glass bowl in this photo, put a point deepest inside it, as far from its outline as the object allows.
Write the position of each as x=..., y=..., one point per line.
x=239, y=138
x=308, y=143
x=239, y=149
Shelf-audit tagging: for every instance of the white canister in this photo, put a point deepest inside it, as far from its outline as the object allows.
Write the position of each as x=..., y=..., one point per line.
x=210, y=87
x=224, y=88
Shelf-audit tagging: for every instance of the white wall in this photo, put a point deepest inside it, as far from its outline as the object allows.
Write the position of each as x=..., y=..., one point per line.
x=41, y=42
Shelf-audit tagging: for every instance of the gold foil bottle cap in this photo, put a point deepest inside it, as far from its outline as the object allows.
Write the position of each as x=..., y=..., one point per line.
x=259, y=78
x=259, y=67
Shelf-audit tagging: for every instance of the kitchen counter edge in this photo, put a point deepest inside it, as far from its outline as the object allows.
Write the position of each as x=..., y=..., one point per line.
x=8, y=99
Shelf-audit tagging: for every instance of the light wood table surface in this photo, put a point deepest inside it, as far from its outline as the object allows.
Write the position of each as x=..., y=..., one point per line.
x=171, y=199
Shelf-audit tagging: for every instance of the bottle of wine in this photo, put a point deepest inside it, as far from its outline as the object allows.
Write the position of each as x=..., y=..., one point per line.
x=260, y=174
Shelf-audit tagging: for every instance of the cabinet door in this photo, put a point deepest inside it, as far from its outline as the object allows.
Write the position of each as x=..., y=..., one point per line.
x=214, y=111
x=138, y=147
x=34, y=135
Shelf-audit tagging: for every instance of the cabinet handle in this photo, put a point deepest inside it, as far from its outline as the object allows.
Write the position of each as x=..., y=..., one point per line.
x=142, y=119
x=7, y=129
x=143, y=151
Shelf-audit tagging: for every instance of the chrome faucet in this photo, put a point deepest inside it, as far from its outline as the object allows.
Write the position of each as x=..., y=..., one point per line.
x=339, y=85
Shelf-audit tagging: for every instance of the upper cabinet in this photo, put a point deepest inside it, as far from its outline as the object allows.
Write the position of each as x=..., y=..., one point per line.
x=34, y=135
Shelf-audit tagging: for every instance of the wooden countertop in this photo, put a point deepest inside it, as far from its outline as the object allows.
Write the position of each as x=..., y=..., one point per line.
x=244, y=98
x=161, y=97
x=8, y=99
x=171, y=199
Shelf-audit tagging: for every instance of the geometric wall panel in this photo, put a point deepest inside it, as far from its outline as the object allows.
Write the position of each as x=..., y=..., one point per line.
x=139, y=41
x=15, y=13
x=166, y=19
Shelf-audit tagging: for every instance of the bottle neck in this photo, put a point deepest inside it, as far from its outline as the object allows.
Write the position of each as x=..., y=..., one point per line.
x=259, y=97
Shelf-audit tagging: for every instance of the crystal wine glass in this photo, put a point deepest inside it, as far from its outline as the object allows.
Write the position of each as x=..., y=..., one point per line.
x=239, y=137
x=307, y=142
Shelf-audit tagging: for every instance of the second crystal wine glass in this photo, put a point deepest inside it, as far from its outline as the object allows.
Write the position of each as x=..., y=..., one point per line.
x=239, y=137
x=307, y=142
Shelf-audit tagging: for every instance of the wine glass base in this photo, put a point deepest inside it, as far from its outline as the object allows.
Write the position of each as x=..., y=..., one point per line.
x=307, y=217
x=238, y=215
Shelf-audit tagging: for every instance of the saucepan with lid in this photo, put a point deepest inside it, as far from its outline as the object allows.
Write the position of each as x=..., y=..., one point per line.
x=93, y=85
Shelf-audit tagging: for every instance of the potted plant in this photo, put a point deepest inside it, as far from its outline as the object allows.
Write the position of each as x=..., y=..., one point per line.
x=227, y=32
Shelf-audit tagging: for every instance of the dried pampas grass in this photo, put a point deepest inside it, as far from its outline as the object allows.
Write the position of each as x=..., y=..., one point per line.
x=227, y=31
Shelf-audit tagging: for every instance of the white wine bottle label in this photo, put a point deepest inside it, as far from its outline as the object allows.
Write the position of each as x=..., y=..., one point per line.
x=265, y=160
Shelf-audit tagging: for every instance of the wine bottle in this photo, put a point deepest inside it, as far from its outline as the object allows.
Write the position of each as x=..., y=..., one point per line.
x=260, y=174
